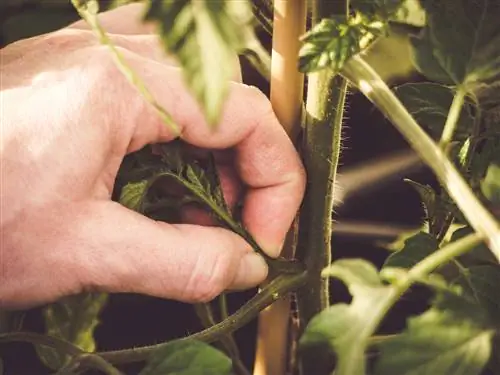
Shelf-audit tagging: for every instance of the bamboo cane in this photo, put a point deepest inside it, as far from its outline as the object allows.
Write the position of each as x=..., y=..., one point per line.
x=286, y=97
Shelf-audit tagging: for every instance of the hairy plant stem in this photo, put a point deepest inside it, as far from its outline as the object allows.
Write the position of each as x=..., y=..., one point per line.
x=376, y=90
x=275, y=290
x=88, y=10
x=320, y=150
x=453, y=117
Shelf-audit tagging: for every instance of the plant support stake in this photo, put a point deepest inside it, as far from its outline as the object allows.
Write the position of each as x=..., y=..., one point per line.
x=286, y=98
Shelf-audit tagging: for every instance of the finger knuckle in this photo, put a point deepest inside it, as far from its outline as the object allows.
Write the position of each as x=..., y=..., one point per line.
x=211, y=276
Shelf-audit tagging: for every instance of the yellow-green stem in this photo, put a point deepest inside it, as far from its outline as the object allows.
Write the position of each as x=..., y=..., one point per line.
x=453, y=117
x=376, y=90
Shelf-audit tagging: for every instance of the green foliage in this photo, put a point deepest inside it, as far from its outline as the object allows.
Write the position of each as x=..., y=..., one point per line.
x=480, y=283
x=429, y=103
x=347, y=328
x=451, y=338
x=205, y=37
x=381, y=9
x=460, y=44
x=333, y=41
x=415, y=249
x=478, y=255
x=72, y=319
x=187, y=358
x=133, y=194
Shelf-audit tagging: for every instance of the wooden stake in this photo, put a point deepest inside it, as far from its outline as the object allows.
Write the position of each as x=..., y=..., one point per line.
x=286, y=97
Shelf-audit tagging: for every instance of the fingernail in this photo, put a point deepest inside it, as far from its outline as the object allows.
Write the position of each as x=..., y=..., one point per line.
x=252, y=271
x=274, y=250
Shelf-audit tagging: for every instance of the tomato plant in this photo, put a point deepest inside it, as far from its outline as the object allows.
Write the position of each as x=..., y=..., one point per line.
x=451, y=121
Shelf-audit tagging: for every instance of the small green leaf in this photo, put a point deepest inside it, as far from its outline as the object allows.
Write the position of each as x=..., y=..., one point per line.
x=133, y=194
x=451, y=338
x=205, y=36
x=73, y=319
x=411, y=13
x=415, y=249
x=187, y=358
x=490, y=186
x=429, y=104
x=462, y=40
x=382, y=9
x=333, y=41
x=346, y=328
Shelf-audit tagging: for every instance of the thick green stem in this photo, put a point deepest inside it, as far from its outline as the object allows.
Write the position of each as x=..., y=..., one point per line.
x=453, y=117
x=326, y=94
x=375, y=89
x=321, y=149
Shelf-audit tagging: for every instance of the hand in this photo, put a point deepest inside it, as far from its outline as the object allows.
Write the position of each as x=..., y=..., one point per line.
x=68, y=119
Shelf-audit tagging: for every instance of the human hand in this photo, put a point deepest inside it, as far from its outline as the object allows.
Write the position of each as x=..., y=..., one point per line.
x=68, y=119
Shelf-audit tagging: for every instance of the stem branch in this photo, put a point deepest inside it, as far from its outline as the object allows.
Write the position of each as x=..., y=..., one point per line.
x=452, y=119
x=375, y=89
x=275, y=290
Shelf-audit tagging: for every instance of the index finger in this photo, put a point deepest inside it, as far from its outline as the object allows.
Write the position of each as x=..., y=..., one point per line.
x=265, y=157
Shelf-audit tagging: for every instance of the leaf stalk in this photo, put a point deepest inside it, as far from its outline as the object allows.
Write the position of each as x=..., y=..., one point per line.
x=377, y=91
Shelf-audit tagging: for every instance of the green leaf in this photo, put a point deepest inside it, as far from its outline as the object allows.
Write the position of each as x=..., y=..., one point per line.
x=423, y=55
x=481, y=283
x=490, y=186
x=133, y=194
x=479, y=255
x=200, y=178
x=187, y=358
x=73, y=319
x=436, y=207
x=429, y=104
x=382, y=9
x=346, y=328
x=333, y=41
x=411, y=13
x=461, y=43
x=451, y=338
x=205, y=36
x=415, y=249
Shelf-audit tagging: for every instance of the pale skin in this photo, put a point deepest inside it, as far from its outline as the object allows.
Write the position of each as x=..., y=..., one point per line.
x=68, y=118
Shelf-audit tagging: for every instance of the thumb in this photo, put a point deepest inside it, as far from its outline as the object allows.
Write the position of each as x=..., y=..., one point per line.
x=68, y=248
x=127, y=252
